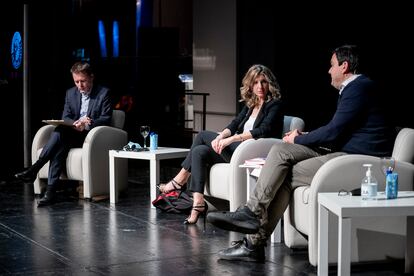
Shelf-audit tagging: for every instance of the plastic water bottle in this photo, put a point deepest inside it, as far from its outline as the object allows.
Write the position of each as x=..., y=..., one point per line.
x=369, y=185
x=391, y=186
x=153, y=141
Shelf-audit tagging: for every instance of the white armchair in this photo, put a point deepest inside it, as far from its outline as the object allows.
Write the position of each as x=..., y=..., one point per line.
x=90, y=163
x=228, y=181
x=372, y=239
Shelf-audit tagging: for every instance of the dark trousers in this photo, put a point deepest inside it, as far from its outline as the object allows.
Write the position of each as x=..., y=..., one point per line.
x=202, y=156
x=56, y=150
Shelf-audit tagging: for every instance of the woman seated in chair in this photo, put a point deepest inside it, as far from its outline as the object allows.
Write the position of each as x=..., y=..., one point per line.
x=261, y=117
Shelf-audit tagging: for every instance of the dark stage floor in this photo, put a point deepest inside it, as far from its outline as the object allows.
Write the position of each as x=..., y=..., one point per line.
x=78, y=237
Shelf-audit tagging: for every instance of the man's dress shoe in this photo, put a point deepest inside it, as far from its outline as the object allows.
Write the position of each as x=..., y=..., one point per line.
x=48, y=198
x=243, y=220
x=242, y=251
x=27, y=175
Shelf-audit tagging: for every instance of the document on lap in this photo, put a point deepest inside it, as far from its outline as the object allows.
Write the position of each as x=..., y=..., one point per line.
x=58, y=122
x=255, y=161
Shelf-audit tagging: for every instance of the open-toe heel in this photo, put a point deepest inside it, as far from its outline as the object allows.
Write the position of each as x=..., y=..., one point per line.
x=201, y=210
x=174, y=186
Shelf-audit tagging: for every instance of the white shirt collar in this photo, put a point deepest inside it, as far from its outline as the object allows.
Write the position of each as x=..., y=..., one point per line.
x=347, y=81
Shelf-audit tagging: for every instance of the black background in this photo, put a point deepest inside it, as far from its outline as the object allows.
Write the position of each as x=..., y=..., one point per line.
x=293, y=38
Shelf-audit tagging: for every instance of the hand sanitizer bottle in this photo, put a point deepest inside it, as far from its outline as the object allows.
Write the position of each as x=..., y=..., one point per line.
x=369, y=185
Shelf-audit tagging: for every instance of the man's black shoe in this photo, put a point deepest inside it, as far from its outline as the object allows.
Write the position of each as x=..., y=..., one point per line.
x=48, y=198
x=243, y=220
x=28, y=175
x=241, y=251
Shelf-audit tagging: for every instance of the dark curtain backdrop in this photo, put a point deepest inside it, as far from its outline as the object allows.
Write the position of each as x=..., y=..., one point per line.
x=295, y=39
x=11, y=90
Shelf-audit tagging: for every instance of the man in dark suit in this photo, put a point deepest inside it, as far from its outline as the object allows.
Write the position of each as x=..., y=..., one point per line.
x=86, y=106
x=358, y=126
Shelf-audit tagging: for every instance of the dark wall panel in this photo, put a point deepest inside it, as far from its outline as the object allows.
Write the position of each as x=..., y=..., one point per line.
x=297, y=38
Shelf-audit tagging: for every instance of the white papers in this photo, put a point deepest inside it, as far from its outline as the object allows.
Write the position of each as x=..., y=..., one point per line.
x=58, y=122
x=256, y=172
x=255, y=161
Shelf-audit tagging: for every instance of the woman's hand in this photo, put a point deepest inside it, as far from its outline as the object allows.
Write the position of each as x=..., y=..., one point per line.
x=222, y=143
x=215, y=143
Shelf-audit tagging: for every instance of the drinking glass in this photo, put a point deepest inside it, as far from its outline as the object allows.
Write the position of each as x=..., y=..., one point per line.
x=144, y=130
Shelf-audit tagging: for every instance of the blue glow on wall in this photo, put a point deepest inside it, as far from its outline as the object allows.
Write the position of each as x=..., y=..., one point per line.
x=138, y=14
x=137, y=18
x=102, y=38
x=115, y=39
x=16, y=50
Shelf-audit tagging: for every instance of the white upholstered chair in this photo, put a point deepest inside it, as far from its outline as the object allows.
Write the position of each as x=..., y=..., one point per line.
x=228, y=181
x=90, y=163
x=372, y=239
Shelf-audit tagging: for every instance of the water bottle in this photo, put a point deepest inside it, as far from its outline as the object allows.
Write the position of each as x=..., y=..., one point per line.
x=369, y=185
x=391, y=185
x=153, y=141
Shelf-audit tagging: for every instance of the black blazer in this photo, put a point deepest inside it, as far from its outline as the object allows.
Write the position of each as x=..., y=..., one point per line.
x=268, y=123
x=99, y=109
x=359, y=124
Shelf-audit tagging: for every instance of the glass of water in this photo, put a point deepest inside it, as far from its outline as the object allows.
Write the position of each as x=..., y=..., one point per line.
x=144, y=130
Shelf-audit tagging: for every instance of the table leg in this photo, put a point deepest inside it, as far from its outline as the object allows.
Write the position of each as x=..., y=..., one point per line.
x=323, y=239
x=276, y=236
x=154, y=178
x=113, y=169
x=409, y=243
x=248, y=178
x=344, y=246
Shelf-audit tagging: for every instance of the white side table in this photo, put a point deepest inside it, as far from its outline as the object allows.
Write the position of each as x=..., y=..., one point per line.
x=154, y=156
x=348, y=207
x=252, y=173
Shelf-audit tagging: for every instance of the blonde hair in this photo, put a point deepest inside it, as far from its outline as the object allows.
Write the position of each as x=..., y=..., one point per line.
x=246, y=91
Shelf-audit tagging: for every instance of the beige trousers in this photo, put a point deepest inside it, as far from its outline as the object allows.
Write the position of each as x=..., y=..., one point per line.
x=287, y=167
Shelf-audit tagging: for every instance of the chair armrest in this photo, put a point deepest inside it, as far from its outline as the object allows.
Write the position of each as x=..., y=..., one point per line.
x=40, y=139
x=252, y=148
x=95, y=157
x=346, y=172
x=237, y=177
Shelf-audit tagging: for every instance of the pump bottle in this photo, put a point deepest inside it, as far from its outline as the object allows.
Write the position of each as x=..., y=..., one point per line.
x=369, y=185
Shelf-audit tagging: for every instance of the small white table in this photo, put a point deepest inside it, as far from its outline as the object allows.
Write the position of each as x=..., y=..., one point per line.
x=348, y=207
x=154, y=156
x=252, y=173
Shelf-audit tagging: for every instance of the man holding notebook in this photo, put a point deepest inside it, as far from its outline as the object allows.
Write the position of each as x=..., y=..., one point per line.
x=86, y=106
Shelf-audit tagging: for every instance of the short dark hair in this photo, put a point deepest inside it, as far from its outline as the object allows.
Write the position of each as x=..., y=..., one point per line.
x=350, y=54
x=82, y=67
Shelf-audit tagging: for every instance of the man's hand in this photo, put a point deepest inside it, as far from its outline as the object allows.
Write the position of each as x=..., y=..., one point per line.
x=290, y=136
x=81, y=124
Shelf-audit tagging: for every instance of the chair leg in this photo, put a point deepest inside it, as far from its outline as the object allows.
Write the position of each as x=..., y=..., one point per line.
x=80, y=190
